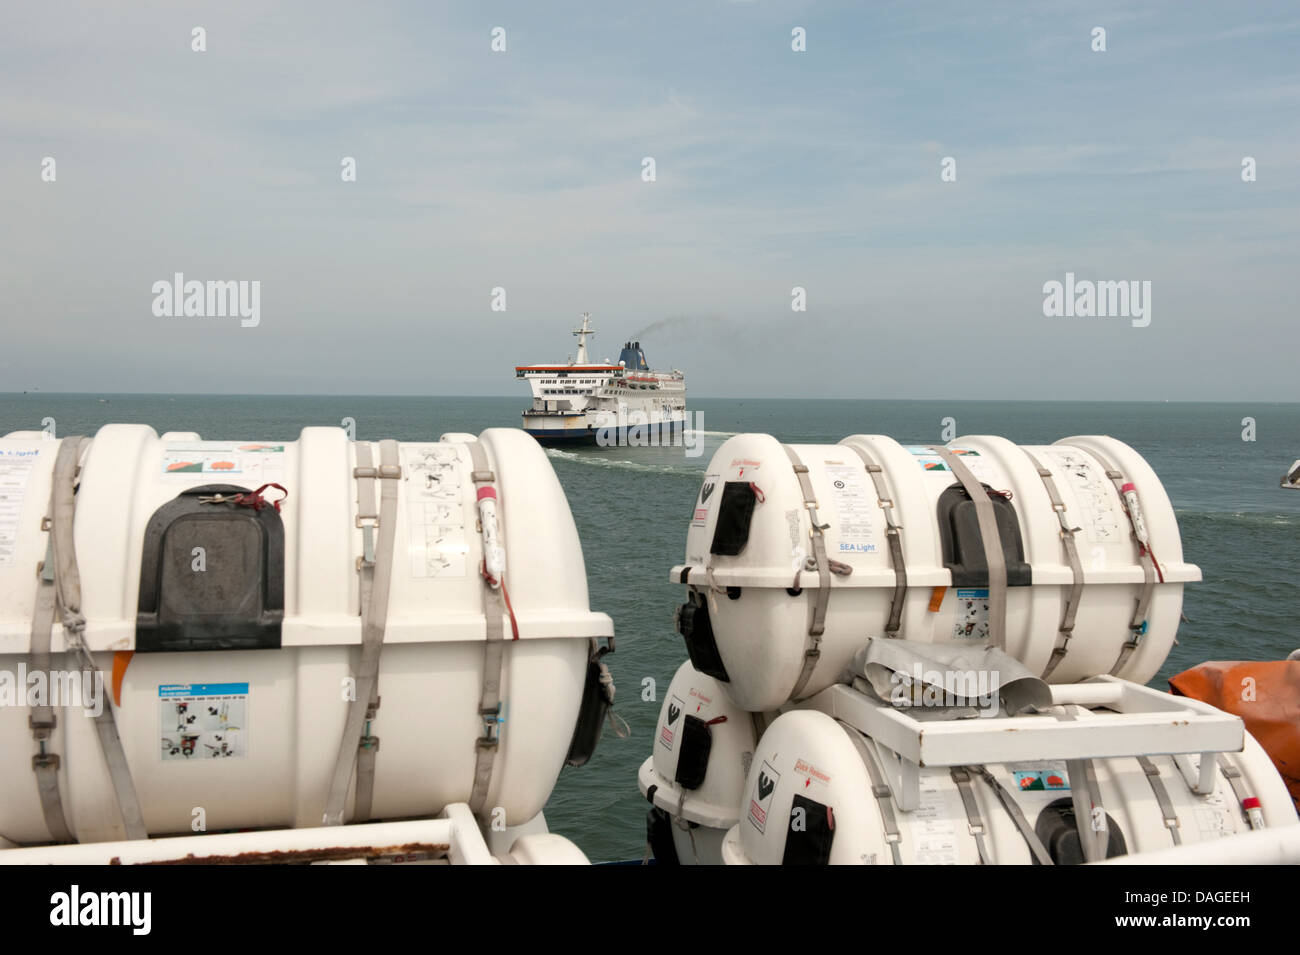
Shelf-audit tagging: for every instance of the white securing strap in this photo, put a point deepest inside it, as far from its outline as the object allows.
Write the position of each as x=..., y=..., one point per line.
x=357, y=747
x=42, y=720
x=992, y=540
x=367, y=519
x=817, y=626
x=974, y=821
x=1066, y=629
x=489, y=707
x=67, y=589
x=893, y=531
x=1167, y=811
x=1138, y=623
x=1009, y=804
x=1245, y=801
x=1085, y=796
x=879, y=789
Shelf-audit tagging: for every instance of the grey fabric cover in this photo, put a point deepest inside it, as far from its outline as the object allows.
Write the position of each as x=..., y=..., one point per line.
x=965, y=677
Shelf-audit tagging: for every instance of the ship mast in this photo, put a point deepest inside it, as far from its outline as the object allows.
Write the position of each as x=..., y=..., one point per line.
x=582, y=334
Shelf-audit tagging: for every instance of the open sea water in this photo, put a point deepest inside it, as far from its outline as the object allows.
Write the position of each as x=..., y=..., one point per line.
x=632, y=506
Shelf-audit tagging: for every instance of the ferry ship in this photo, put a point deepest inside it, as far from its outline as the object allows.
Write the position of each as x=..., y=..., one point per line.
x=604, y=403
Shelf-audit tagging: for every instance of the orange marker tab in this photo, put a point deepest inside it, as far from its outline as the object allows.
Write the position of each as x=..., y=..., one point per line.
x=121, y=660
x=936, y=598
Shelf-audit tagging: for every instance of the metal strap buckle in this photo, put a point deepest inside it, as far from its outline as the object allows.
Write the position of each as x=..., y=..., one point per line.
x=389, y=472
x=372, y=518
x=45, y=761
x=483, y=477
x=371, y=743
x=41, y=729
x=491, y=721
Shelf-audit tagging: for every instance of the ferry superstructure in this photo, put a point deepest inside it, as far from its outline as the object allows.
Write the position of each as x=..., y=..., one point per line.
x=604, y=403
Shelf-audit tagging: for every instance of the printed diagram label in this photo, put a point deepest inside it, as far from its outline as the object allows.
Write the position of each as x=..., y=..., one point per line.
x=855, y=507
x=668, y=732
x=1213, y=817
x=435, y=511
x=760, y=799
x=1042, y=780
x=972, y=618
x=930, y=460
x=707, y=491
x=259, y=463
x=15, y=468
x=933, y=828
x=203, y=721
x=1096, y=514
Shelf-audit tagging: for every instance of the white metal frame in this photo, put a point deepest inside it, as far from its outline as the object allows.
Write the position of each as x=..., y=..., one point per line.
x=1137, y=721
x=457, y=831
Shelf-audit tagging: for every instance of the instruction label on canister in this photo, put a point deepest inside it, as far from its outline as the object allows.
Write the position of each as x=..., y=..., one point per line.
x=1039, y=777
x=855, y=506
x=971, y=619
x=435, y=511
x=705, y=500
x=203, y=721
x=933, y=830
x=1098, y=512
x=668, y=732
x=15, y=468
x=760, y=798
x=248, y=463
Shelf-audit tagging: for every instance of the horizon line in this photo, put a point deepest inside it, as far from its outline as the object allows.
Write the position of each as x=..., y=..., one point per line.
x=252, y=394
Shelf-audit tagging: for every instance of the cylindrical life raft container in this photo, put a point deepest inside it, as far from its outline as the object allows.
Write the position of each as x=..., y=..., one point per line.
x=228, y=628
x=1066, y=556
x=702, y=749
x=810, y=798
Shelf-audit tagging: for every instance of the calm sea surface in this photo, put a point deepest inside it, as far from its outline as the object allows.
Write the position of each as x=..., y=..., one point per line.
x=632, y=506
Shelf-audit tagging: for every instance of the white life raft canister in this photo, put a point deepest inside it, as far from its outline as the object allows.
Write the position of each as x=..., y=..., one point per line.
x=702, y=748
x=810, y=799
x=797, y=554
x=229, y=630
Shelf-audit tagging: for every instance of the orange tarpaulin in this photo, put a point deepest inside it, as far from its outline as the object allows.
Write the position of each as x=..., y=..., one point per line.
x=1265, y=695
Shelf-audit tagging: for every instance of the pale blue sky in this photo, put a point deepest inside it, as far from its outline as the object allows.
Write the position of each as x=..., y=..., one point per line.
x=775, y=169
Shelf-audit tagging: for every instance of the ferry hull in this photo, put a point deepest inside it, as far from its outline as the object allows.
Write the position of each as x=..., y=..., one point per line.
x=656, y=434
